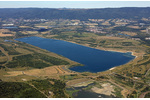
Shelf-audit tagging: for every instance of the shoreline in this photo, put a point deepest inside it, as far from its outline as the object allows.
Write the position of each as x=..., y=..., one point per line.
x=112, y=68
x=101, y=48
x=107, y=49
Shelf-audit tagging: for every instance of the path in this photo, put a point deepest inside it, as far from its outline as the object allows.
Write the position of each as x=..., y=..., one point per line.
x=143, y=94
x=39, y=90
x=124, y=89
x=6, y=54
x=147, y=72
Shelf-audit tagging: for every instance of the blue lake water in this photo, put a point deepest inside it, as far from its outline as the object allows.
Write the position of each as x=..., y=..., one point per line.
x=94, y=60
x=10, y=27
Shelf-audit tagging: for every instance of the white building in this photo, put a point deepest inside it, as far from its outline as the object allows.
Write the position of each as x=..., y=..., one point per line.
x=147, y=38
x=148, y=30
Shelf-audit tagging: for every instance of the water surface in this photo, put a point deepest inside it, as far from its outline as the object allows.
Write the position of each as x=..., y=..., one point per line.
x=89, y=94
x=94, y=60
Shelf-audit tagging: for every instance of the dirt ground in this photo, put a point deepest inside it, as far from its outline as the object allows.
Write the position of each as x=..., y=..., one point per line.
x=4, y=30
x=48, y=71
x=77, y=82
x=83, y=83
x=106, y=89
x=3, y=35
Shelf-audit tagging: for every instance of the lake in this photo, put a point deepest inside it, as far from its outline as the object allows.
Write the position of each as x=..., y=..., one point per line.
x=10, y=27
x=94, y=60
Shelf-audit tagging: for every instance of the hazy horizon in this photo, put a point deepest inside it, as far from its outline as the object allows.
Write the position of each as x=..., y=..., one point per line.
x=73, y=4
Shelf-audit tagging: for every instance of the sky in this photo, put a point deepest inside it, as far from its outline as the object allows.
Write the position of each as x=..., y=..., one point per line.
x=73, y=4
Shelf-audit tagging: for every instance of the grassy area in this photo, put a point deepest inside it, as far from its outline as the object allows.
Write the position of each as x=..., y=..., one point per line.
x=9, y=49
x=35, y=60
x=1, y=54
x=69, y=77
x=117, y=92
x=70, y=92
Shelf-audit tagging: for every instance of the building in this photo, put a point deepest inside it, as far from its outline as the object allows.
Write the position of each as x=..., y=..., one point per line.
x=148, y=30
x=147, y=38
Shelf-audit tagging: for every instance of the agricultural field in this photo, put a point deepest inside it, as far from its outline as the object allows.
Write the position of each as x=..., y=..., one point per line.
x=6, y=33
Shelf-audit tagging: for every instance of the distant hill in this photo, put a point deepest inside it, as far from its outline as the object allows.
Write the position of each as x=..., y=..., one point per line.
x=81, y=14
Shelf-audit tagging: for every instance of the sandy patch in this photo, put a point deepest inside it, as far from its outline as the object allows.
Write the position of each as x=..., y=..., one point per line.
x=14, y=73
x=41, y=26
x=3, y=31
x=107, y=89
x=3, y=35
x=136, y=27
x=112, y=68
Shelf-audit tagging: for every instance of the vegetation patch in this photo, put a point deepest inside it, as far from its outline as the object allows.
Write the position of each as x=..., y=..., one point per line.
x=123, y=28
x=124, y=80
x=1, y=54
x=50, y=86
x=26, y=61
x=18, y=90
x=52, y=60
x=9, y=49
x=127, y=43
x=117, y=92
x=35, y=60
x=147, y=95
x=69, y=77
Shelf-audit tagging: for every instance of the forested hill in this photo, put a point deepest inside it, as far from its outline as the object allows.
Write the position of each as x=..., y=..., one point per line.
x=81, y=14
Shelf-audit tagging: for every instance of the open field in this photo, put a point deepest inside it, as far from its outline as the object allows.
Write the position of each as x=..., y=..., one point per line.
x=53, y=72
x=77, y=82
x=2, y=31
x=4, y=35
x=106, y=89
x=29, y=32
x=129, y=33
x=26, y=53
x=136, y=27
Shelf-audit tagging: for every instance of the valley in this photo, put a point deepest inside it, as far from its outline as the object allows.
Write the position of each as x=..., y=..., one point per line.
x=25, y=68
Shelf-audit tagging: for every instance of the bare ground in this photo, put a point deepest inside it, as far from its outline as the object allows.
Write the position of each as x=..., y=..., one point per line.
x=53, y=71
x=106, y=89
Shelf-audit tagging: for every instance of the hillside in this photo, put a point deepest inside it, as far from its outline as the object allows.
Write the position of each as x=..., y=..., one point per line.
x=28, y=71
x=81, y=14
